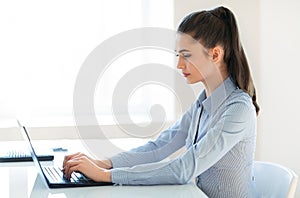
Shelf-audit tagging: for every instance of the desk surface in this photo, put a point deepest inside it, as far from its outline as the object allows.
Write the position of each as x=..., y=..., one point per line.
x=22, y=180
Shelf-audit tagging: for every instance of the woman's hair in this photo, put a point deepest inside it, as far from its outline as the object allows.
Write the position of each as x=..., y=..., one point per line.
x=219, y=27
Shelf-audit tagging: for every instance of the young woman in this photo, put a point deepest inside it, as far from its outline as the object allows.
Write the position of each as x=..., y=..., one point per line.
x=218, y=130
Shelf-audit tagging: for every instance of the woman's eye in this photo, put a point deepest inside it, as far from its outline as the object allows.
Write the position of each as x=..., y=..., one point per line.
x=186, y=55
x=183, y=55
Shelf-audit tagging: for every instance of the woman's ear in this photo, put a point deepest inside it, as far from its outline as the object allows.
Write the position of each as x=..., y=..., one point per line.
x=217, y=54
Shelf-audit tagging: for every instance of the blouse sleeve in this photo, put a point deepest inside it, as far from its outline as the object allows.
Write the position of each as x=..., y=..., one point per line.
x=236, y=122
x=167, y=143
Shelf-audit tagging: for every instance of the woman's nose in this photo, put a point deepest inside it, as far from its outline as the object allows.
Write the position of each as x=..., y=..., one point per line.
x=180, y=63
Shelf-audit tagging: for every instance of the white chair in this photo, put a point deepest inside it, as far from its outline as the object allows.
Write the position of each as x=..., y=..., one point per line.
x=274, y=181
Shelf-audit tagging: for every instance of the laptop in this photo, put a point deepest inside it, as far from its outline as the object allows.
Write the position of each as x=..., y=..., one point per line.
x=53, y=176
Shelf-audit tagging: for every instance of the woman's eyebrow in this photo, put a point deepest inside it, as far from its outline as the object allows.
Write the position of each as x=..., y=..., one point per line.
x=182, y=50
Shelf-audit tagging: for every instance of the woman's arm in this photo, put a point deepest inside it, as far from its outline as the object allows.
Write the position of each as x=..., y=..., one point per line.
x=167, y=143
x=236, y=123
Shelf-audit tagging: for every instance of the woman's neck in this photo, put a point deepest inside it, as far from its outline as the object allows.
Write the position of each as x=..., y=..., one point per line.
x=214, y=82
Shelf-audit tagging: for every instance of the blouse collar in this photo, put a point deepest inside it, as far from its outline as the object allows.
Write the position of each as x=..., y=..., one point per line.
x=218, y=96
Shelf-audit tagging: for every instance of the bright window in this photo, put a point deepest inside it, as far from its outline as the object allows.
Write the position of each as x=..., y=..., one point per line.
x=44, y=43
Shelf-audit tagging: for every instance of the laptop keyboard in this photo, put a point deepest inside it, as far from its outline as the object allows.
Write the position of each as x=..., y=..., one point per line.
x=57, y=175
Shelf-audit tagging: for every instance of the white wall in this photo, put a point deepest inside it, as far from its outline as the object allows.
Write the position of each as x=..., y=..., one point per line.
x=270, y=33
x=279, y=73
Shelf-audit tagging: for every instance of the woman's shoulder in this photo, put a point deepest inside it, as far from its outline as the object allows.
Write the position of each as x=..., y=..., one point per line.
x=240, y=101
x=239, y=96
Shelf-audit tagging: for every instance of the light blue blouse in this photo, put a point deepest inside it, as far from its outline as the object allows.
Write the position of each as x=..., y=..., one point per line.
x=222, y=158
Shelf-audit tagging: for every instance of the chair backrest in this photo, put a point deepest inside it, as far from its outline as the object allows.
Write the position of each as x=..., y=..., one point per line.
x=274, y=180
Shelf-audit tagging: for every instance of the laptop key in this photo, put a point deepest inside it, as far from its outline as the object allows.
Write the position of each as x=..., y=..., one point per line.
x=79, y=177
x=51, y=176
x=55, y=174
x=59, y=172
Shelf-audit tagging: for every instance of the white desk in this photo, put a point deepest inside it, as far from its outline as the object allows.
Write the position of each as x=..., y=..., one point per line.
x=22, y=180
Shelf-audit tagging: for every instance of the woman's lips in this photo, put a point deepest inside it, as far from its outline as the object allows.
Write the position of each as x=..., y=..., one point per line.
x=186, y=74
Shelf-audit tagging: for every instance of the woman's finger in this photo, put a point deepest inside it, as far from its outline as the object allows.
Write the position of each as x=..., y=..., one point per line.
x=69, y=157
x=76, y=161
x=71, y=170
x=71, y=166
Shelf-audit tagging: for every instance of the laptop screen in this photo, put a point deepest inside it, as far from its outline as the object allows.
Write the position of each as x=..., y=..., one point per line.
x=31, y=149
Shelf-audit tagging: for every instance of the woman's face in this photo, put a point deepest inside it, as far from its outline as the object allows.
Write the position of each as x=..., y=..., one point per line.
x=194, y=59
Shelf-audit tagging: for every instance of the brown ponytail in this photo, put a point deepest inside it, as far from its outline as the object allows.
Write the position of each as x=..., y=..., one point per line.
x=219, y=27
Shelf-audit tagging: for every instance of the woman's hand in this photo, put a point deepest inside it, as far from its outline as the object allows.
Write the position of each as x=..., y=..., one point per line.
x=83, y=164
x=106, y=164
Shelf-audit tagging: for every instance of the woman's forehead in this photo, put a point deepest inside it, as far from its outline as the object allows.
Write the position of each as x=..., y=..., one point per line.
x=186, y=41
